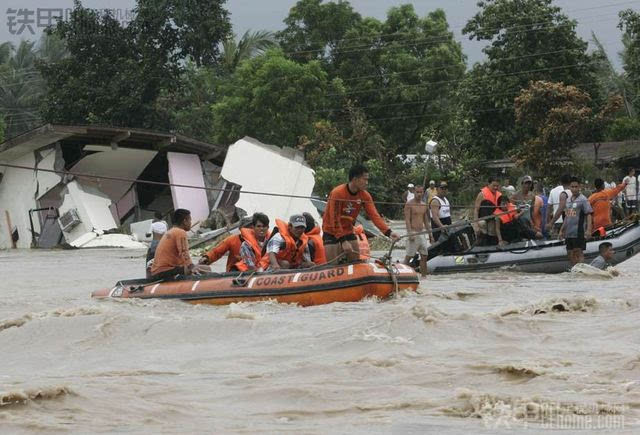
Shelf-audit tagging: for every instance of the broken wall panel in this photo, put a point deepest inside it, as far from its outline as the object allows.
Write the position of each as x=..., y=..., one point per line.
x=18, y=191
x=266, y=168
x=91, y=207
x=124, y=163
x=186, y=169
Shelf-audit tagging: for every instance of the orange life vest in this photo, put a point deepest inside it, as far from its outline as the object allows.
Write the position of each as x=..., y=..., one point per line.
x=292, y=252
x=319, y=256
x=507, y=217
x=490, y=196
x=363, y=242
x=249, y=236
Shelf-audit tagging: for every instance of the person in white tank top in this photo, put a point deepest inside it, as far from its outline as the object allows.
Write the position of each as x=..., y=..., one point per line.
x=440, y=210
x=558, y=199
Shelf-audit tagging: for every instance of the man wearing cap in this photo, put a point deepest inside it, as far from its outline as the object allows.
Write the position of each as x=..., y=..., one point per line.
x=409, y=194
x=531, y=205
x=288, y=247
x=158, y=229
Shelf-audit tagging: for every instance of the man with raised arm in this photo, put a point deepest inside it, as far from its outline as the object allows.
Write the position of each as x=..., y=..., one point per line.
x=343, y=206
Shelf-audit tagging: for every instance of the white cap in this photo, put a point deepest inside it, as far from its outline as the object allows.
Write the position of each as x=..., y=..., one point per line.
x=410, y=185
x=159, y=227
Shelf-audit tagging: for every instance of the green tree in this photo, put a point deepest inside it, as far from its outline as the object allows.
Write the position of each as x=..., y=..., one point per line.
x=402, y=72
x=180, y=29
x=188, y=107
x=250, y=45
x=630, y=25
x=314, y=29
x=20, y=88
x=528, y=40
x=271, y=98
x=553, y=118
x=117, y=75
x=1, y=128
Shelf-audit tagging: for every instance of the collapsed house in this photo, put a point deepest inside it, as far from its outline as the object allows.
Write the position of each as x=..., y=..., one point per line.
x=86, y=186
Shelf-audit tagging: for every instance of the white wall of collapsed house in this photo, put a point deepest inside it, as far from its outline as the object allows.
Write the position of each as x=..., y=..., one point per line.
x=19, y=190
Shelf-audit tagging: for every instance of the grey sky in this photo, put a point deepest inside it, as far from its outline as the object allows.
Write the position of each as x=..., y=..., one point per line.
x=597, y=15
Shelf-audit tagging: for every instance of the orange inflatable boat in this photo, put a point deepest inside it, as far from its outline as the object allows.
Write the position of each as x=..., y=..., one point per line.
x=305, y=287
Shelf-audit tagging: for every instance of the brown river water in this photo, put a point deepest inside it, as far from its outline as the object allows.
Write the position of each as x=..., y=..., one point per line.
x=474, y=353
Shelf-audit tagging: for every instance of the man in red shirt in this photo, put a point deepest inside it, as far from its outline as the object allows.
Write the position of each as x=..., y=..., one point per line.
x=343, y=207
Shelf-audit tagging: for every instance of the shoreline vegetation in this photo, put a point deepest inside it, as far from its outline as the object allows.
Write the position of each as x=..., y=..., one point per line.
x=344, y=88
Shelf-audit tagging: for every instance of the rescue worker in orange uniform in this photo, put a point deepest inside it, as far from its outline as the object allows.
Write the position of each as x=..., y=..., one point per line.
x=230, y=245
x=508, y=227
x=316, y=247
x=288, y=247
x=254, y=240
x=343, y=207
x=600, y=202
x=486, y=203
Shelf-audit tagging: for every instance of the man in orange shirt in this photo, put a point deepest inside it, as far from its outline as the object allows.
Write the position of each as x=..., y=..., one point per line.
x=343, y=207
x=172, y=254
x=600, y=202
x=230, y=245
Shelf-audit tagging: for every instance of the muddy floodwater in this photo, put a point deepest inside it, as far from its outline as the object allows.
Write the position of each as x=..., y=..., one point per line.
x=473, y=353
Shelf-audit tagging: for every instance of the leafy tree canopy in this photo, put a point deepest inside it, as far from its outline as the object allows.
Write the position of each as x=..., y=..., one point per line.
x=528, y=40
x=271, y=98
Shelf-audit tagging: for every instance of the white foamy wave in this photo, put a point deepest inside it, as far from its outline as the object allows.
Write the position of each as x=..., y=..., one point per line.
x=58, y=312
x=381, y=337
x=566, y=304
x=590, y=271
x=24, y=397
x=428, y=313
x=492, y=408
x=240, y=311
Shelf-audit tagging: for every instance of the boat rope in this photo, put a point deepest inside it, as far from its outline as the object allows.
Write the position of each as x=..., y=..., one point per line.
x=66, y=173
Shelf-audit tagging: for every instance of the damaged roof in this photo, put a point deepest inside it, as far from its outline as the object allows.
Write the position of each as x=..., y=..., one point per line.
x=113, y=136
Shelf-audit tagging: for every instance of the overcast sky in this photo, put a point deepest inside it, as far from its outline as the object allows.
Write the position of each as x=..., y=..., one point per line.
x=599, y=16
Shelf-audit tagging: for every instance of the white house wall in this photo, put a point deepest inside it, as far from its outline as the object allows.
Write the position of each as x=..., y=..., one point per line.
x=121, y=163
x=93, y=210
x=266, y=168
x=18, y=195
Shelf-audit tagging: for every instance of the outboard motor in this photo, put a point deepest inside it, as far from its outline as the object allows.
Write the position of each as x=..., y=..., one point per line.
x=458, y=241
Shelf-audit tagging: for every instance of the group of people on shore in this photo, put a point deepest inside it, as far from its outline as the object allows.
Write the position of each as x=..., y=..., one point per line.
x=504, y=214
x=296, y=243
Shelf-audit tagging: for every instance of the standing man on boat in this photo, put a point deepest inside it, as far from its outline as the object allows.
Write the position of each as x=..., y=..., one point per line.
x=600, y=202
x=578, y=211
x=409, y=193
x=528, y=202
x=416, y=217
x=558, y=199
x=343, y=206
x=172, y=255
x=486, y=203
x=631, y=191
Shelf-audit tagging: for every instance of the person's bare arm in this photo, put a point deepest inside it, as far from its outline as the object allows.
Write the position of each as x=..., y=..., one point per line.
x=427, y=224
x=562, y=203
x=589, y=226
x=498, y=233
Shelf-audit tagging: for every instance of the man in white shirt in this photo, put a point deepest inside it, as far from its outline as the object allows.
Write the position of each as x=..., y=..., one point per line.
x=631, y=192
x=558, y=199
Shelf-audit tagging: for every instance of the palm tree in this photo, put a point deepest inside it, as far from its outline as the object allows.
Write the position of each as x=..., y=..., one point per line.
x=21, y=85
x=250, y=45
